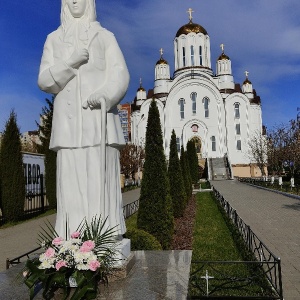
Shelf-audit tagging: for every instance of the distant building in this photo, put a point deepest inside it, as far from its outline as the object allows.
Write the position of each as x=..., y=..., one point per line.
x=124, y=111
x=208, y=107
x=30, y=139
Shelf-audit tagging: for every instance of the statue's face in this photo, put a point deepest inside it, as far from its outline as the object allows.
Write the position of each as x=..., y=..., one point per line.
x=77, y=7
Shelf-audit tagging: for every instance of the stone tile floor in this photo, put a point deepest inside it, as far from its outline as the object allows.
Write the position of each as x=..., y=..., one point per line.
x=156, y=275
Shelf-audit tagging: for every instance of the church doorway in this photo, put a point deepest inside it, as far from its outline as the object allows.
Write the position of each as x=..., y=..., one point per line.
x=201, y=160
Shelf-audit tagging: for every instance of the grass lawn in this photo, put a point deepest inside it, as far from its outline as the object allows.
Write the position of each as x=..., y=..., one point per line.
x=213, y=241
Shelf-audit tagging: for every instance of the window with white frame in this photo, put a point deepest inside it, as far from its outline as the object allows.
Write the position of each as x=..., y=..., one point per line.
x=200, y=55
x=238, y=129
x=206, y=107
x=213, y=143
x=194, y=103
x=239, y=145
x=192, y=56
x=181, y=104
x=237, y=110
x=183, y=56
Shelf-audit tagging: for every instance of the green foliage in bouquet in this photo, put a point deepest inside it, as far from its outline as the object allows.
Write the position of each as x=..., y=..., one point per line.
x=81, y=262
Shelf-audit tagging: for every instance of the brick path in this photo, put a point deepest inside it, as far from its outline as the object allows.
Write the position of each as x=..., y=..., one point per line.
x=275, y=219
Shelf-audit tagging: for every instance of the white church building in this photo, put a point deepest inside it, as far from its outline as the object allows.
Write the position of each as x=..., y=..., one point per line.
x=219, y=114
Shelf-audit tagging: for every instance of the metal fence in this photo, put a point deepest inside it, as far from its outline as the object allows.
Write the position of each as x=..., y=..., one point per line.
x=267, y=183
x=35, y=201
x=264, y=280
x=131, y=208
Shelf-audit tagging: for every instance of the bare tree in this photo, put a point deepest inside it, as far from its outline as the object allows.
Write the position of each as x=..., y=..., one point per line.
x=131, y=159
x=258, y=148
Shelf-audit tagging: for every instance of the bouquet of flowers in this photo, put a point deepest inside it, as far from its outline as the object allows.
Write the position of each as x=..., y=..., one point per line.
x=80, y=262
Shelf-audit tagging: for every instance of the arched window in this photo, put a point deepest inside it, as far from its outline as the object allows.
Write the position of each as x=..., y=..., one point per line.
x=200, y=55
x=206, y=107
x=181, y=104
x=183, y=56
x=192, y=56
x=238, y=129
x=194, y=103
x=237, y=110
x=213, y=143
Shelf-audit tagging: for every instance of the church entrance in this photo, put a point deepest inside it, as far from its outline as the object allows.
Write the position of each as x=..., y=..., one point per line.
x=201, y=160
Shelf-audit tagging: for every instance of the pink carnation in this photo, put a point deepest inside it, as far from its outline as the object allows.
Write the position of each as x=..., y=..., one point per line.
x=49, y=252
x=57, y=241
x=87, y=246
x=60, y=264
x=94, y=265
x=75, y=235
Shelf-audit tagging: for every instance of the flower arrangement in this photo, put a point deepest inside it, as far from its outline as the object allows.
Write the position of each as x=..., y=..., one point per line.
x=80, y=262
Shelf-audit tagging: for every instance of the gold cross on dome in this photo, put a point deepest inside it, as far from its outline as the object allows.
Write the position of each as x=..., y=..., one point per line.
x=161, y=51
x=140, y=81
x=190, y=11
x=222, y=47
x=246, y=73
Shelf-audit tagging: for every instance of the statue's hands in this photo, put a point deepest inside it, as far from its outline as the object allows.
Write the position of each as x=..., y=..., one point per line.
x=78, y=57
x=93, y=101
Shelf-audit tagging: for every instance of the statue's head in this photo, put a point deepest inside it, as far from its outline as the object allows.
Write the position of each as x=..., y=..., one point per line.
x=72, y=9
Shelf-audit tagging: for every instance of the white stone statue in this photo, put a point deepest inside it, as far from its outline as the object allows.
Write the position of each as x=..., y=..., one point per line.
x=82, y=64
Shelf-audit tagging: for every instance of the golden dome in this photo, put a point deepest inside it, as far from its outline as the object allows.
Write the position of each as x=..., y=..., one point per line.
x=247, y=81
x=191, y=27
x=162, y=61
x=223, y=56
x=141, y=89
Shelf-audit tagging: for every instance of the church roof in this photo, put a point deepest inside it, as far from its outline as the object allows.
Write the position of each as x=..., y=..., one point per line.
x=223, y=56
x=191, y=27
x=162, y=61
x=247, y=81
x=141, y=89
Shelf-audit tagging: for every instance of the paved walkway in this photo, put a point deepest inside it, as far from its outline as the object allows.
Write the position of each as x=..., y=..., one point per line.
x=22, y=238
x=275, y=219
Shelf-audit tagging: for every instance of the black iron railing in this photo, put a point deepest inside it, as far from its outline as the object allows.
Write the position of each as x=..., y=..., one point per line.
x=263, y=279
x=131, y=208
x=231, y=280
x=267, y=183
x=35, y=201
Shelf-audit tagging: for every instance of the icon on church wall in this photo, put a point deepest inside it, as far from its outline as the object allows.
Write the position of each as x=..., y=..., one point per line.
x=195, y=128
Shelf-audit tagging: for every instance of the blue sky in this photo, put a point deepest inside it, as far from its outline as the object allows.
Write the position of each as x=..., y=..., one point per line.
x=260, y=36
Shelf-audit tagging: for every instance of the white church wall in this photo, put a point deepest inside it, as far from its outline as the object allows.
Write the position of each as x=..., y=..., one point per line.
x=210, y=122
x=238, y=130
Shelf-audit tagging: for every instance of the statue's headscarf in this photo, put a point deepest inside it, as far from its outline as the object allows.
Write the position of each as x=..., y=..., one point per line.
x=67, y=21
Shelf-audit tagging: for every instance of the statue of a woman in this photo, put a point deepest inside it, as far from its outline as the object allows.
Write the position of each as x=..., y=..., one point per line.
x=82, y=64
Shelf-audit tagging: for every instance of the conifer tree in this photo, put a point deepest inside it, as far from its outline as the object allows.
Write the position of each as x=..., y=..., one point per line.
x=193, y=160
x=186, y=173
x=12, y=172
x=50, y=156
x=155, y=210
x=177, y=190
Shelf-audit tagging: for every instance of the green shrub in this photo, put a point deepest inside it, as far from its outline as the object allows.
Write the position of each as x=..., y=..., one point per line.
x=177, y=190
x=155, y=213
x=142, y=240
x=12, y=173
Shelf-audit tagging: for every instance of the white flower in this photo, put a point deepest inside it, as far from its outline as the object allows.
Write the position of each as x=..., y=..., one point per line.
x=46, y=265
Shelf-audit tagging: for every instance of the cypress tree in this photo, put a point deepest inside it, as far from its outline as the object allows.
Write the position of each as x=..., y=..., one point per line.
x=155, y=210
x=50, y=156
x=186, y=174
x=177, y=190
x=193, y=161
x=12, y=172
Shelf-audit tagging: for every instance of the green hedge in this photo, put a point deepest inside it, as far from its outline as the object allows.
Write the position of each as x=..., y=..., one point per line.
x=142, y=240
